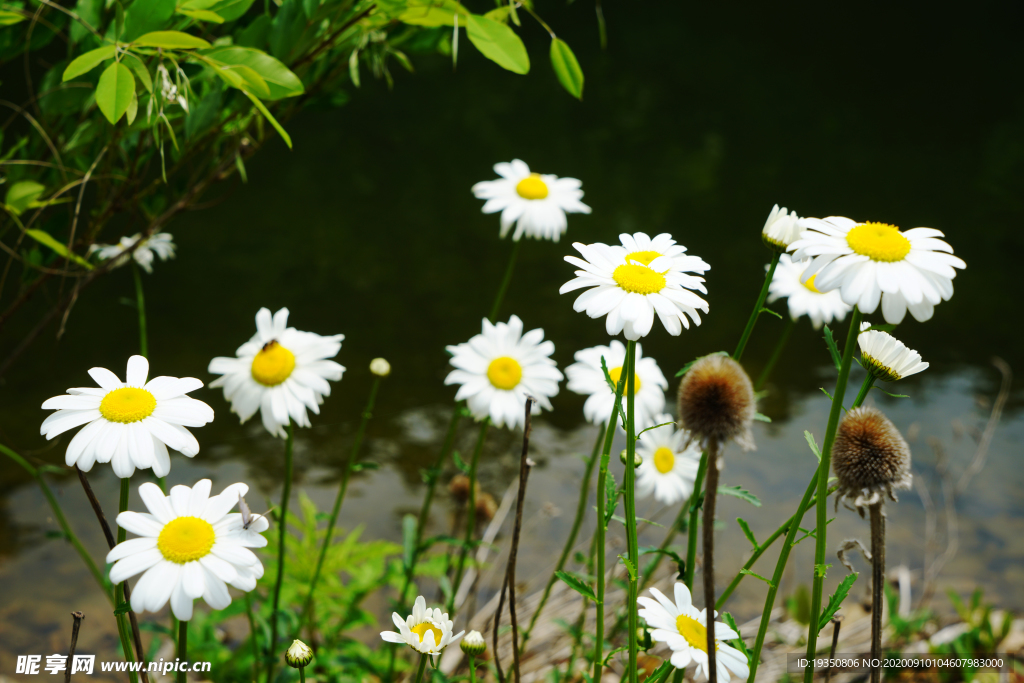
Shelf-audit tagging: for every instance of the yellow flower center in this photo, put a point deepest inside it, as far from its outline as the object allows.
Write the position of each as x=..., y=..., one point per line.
x=696, y=634
x=185, y=539
x=532, y=187
x=664, y=459
x=810, y=284
x=644, y=257
x=421, y=631
x=878, y=241
x=616, y=373
x=505, y=373
x=273, y=364
x=127, y=404
x=638, y=279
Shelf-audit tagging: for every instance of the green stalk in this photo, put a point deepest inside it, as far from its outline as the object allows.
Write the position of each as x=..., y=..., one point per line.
x=140, y=305
x=252, y=638
x=342, y=488
x=122, y=534
x=470, y=513
x=865, y=388
x=58, y=514
x=505, y=281
x=691, y=530
x=302, y=674
x=581, y=509
x=823, y=471
x=182, y=651
x=630, y=496
x=472, y=666
x=776, y=354
x=602, y=528
x=423, y=665
x=272, y=646
x=757, y=309
x=787, y=547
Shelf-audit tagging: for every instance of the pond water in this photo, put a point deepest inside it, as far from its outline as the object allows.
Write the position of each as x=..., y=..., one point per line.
x=695, y=122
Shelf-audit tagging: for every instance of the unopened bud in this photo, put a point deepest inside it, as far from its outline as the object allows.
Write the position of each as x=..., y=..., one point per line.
x=473, y=644
x=637, y=459
x=298, y=655
x=380, y=367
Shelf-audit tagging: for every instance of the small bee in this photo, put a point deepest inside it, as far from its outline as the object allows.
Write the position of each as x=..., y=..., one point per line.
x=247, y=517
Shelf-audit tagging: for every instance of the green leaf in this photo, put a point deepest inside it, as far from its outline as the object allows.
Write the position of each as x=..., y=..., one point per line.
x=201, y=15
x=46, y=239
x=738, y=642
x=228, y=10
x=23, y=195
x=630, y=567
x=170, y=40
x=686, y=368
x=409, y=523
x=114, y=91
x=270, y=117
x=741, y=493
x=833, y=349
x=622, y=521
x=133, y=108
x=9, y=18
x=756, y=576
x=498, y=43
x=567, y=69
x=460, y=463
x=747, y=532
x=836, y=600
x=578, y=584
x=892, y=395
x=820, y=570
x=768, y=310
x=279, y=79
x=608, y=657
x=87, y=62
x=663, y=424
x=143, y=16
x=813, y=444
x=611, y=497
x=358, y=466
x=123, y=609
x=760, y=417
x=139, y=70
x=434, y=14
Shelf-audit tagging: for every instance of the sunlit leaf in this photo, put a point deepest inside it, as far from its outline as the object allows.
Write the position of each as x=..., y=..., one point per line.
x=279, y=79
x=46, y=239
x=567, y=69
x=499, y=43
x=9, y=18
x=88, y=61
x=741, y=493
x=170, y=40
x=22, y=195
x=139, y=70
x=578, y=584
x=270, y=117
x=115, y=91
x=201, y=15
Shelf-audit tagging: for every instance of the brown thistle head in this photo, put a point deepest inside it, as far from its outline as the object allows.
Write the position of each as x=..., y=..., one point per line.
x=870, y=457
x=716, y=401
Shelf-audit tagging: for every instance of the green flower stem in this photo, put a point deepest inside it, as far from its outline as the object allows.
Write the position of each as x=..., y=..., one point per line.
x=691, y=530
x=745, y=337
x=353, y=457
x=252, y=638
x=787, y=546
x=823, y=471
x=302, y=674
x=602, y=527
x=472, y=665
x=58, y=514
x=122, y=534
x=581, y=509
x=677, y=676
x=869, y=382
x=140, y=305
x=183, y=650
x=630, y=497
x=419, y=671
x=505, y=281
x=283, y=524
x=776, y=354
x=470, y=513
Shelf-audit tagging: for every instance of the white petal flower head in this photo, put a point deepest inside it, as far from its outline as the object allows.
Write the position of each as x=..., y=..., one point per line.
x=781, y=229
x=629, y=292
x=802, y=297
x=872, y=263
x=500, y=367
x=428, y=631
x=190, y=545
x=670, y=461
x=129, y=424
x=159, y=245
x=684, y=630
x=886, y=357
x=586, y=377
x=536, y=203
x=643, y=249
x=281, y=372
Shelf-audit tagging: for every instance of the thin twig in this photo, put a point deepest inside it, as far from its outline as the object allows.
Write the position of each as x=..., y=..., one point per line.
x=877, y=585
x=78, y=616
x=836, y=622
x=510, y=575
x=497, y=620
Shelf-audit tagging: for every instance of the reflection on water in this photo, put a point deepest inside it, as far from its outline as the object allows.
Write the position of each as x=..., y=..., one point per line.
x=368, y=228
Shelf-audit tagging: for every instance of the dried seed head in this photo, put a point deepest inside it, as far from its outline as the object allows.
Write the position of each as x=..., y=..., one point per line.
x=486, y=507
x=870, y=458
x=716, y=401
x=459, y=488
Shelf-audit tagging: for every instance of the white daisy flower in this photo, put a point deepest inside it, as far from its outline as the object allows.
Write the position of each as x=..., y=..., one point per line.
x=684, y=630
x=428, y=631
x=871, y=262
x=629, y=292
x=886, y=357
x=586, y=377
x=642, y=249
x=161, y=244
x=536, y=203
x=190, y=546
x=803, y=297
x=281, y=372
x=781, y=229
x=670, y=462
x=128, y=424
x=500, y=367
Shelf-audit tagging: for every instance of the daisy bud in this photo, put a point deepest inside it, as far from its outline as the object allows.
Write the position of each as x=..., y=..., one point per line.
x=473, y=644
x=870, y=458
x=380, y=367
x=716, y=401
x=781, y=229
x=637, y=459
x=298, y=655
x=886, y=357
